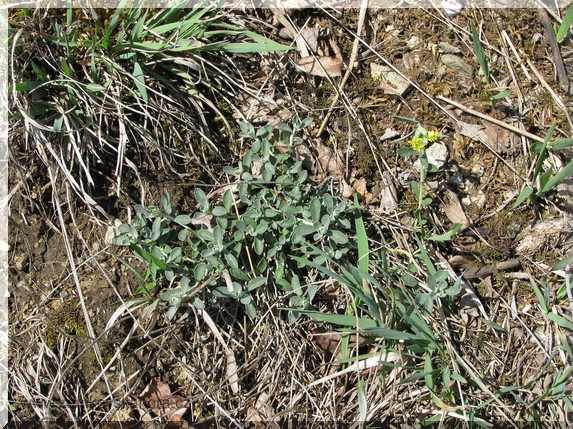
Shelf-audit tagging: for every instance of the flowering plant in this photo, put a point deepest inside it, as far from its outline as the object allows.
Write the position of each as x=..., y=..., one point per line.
x=422, y=137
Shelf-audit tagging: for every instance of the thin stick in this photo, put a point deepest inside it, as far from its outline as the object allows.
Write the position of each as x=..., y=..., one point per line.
x=490, y=119
x=553, y=94
x=557, y=57
x=568, y=286
x=361, y=18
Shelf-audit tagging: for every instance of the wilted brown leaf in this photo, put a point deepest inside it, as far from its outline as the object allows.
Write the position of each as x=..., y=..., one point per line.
x=232, y=371
x=456, y=214
x=321, y=66
x=498, y=138
x=361, y=190
x=261, y=413
x=329, y=161
x=171, y=408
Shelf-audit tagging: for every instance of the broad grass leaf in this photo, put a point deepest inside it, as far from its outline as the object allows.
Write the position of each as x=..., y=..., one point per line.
x=565, y=26
x=558, y=178
x=25, y=86
x=560, y=320
x=361, y=237
x=94, y=87
x=561, y=143
x=562, y=264
x=139, y=79
x=391, y=334
x=415, y=377
x=523, y=196
x=247, y=48
x=339, y=319
x=480, y=54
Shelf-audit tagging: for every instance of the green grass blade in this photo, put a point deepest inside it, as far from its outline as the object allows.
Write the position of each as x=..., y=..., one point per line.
x=114, y=22
x=136, y=33
x=362, y=402
x=558, y=178
x=540, y=297
x=543, y=152
x=560, y=143
x=480, y=54
x=361, y=237
x=246, y=48
x=523, y=196
x=560, y=320
x=139, y=79
x=565, y=24
x=562, y=264
x=338, y=319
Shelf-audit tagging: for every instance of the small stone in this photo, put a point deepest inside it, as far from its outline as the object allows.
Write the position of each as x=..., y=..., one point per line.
x=458, y=65
x=437, y=155
x=457, y=180
x=111, y=231
x=449, y=49
x=413, y=43
x=389, y=77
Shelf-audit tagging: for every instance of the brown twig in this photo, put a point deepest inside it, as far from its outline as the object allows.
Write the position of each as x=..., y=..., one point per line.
x=490, y=119
x=550, y=33
x=361, y=18
x=489, y=270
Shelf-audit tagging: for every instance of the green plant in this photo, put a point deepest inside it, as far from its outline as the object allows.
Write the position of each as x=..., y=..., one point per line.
x=480, y=54
x=98, y=90
x=389, y=312
x=565, y=26
x=418, y=144
x=245, y=238
x=543, y=183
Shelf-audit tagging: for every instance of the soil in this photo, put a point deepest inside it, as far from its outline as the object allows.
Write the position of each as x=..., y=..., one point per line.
x=50, y=351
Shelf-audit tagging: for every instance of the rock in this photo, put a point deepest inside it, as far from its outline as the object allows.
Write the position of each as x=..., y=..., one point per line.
x=446, y=48
x=413, y=43
x=457, y=180
x=458, y=65
x=437, y=155
x=112, y=231
x=390, y=81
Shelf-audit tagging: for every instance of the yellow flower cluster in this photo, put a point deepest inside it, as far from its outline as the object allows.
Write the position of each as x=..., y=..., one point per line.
x=422, y=137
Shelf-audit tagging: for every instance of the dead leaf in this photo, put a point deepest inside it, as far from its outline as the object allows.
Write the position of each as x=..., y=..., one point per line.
x=232, y=371
x=458, y=65
x=311, y=36
x=460, y=262
x=385, y=193
x=456, y=214
x=361, y=190
x=473, y=131
x=498, y=138
x=261, y=413
x=321, y=66
x=388, y=89
x=171, y=408
x=347, y=191
x=330, y=162
x=391, y=82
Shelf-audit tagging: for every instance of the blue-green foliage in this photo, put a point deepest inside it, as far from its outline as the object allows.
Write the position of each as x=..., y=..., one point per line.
x=243, y=239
